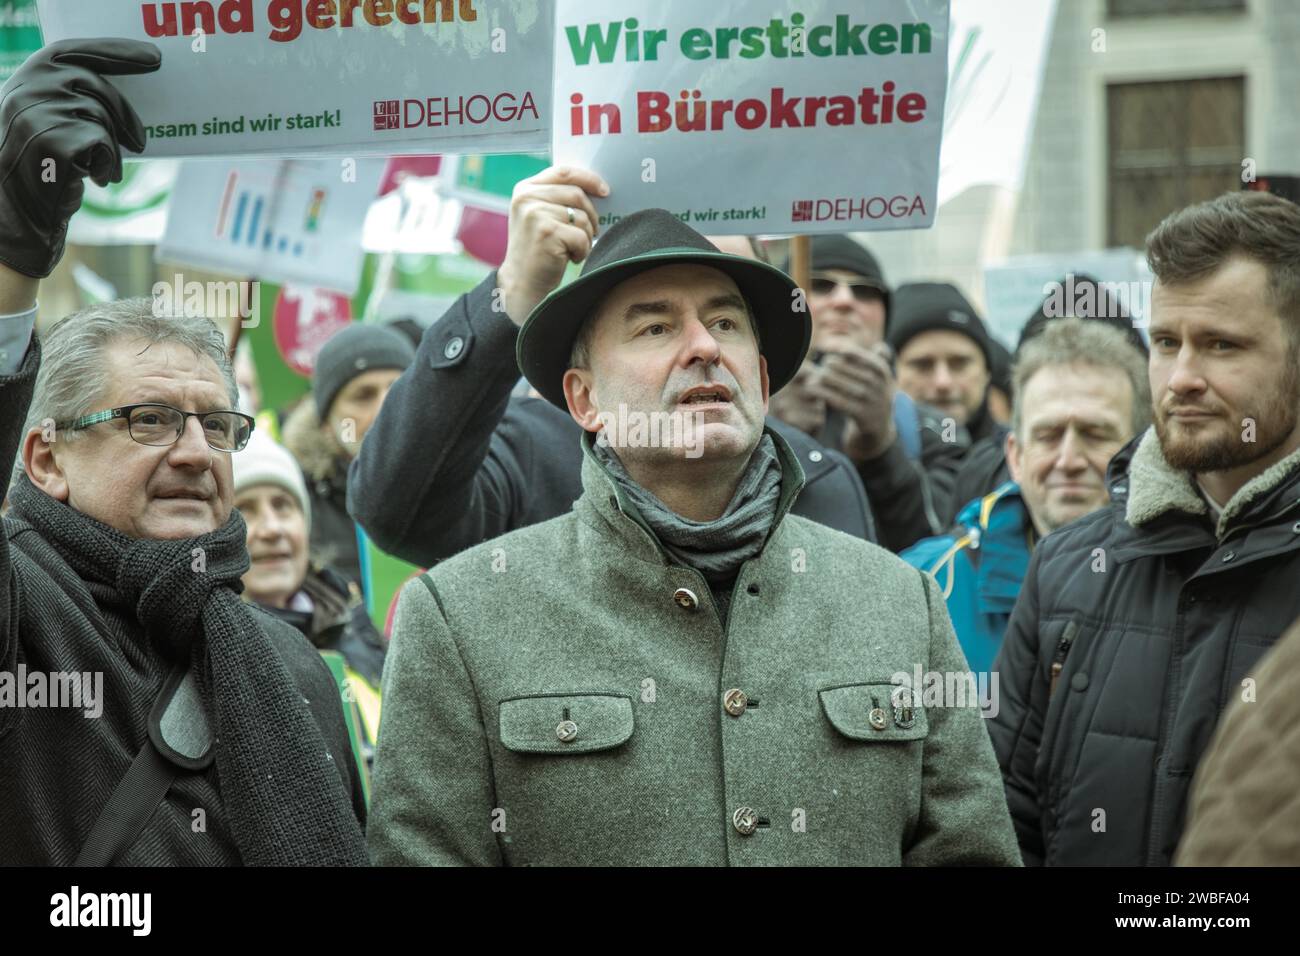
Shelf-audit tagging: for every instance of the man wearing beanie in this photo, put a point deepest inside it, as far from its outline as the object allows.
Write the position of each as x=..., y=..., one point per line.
x=1075, y=295
x=354, y=371
x=679, y=671
x=845, y=395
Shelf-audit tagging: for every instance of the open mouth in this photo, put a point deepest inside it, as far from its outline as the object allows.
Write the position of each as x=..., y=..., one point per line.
x=706, y=395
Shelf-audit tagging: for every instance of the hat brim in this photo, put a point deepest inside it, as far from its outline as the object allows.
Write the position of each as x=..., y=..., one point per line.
x=546, y=340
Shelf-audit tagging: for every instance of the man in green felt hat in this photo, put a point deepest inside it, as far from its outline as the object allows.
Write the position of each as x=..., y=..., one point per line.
x=678, y=671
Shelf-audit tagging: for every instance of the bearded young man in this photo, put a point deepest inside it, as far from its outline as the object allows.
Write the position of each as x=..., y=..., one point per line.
x=678, y=671
x=1137, y=624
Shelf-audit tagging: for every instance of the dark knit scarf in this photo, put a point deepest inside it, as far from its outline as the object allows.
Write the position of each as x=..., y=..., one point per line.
x=286, y=802
x=715, y=548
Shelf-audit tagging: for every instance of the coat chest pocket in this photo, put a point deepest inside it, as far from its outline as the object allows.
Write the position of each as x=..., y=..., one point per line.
x=877, y=711
x=565, y=723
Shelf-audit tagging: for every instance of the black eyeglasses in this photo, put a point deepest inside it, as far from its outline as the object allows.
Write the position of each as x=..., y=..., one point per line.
x=154, y=424
x=862, y=291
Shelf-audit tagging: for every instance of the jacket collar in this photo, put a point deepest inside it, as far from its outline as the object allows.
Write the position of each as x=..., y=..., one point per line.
x=1156, y=488
x=603, y=499
x=1002, y=522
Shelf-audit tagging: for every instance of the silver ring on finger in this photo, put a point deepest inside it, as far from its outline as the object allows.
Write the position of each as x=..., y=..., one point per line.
x=569, y=210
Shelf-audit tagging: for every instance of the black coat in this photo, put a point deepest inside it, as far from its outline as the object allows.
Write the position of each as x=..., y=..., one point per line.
x=1154, y=624
x=57, y=767
x=453, y=460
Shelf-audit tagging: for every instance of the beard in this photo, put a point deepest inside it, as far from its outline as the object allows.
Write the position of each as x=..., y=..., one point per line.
x=1225, y=449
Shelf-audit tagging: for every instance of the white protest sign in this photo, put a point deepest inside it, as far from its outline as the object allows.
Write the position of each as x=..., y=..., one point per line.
x=290, y=221
x=243, y=77
x=743, y=122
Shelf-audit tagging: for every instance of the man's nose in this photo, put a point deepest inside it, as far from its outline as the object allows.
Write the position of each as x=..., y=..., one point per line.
x=700, y=345
x=942, y=376
x=1070, y=457
x=1186, y=375
x=191, y=450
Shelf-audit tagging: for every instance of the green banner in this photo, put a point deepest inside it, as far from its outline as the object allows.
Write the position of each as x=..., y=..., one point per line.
x=20, y=34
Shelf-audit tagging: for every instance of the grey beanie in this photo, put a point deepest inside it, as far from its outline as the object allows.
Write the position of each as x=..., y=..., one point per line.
x=358, y=348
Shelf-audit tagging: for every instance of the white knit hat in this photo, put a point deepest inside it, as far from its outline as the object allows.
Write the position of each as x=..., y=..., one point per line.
x=264, y=462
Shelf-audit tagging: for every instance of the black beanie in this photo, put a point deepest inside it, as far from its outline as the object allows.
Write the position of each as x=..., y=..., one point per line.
x=936, y=307
x=1091, y=300
x=841, y=252
x=358, y=348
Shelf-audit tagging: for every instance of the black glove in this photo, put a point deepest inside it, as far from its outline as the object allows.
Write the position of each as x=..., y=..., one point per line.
x=59, y=107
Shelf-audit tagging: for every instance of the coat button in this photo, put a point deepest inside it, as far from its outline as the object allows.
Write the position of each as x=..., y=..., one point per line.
x=453, y=347
x=876, y=718
x=1079, y=681
x=567, y=731
x=735, y=701
x=745, y=820
x=686, y=598
x=1229, y=556
x=814, y=456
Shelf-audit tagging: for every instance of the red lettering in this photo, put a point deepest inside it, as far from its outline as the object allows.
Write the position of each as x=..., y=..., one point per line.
x=378, y=13
x=652, y=114
x=346, y=9
x=783, y=110
x=911, y=107
x=166, y=27
x=406, y=111
x=320, y=13
x=404, y=12
x=750, y=114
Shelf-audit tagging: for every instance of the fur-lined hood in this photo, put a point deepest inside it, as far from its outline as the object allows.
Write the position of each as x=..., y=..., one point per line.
x=315, y=448
x=1155, y=487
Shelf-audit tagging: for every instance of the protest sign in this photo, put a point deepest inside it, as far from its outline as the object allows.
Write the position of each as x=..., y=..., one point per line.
x=287, y=221
x=243, y=77
x=824, y=120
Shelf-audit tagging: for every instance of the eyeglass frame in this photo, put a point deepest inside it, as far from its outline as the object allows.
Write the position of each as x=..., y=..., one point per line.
x=124, y=412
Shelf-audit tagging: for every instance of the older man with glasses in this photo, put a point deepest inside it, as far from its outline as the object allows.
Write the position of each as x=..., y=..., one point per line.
x=216, y=736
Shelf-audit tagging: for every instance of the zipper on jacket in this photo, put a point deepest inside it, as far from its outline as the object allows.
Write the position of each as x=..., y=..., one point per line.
x=1062, y=651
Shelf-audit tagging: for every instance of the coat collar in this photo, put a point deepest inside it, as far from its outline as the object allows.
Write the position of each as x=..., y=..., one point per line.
x=1156, y=488
x=604, y=503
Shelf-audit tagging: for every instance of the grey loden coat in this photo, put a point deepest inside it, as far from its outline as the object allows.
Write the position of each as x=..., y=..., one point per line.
x=583, y=621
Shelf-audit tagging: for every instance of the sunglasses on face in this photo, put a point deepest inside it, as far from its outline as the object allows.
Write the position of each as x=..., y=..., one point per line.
x=861, y=291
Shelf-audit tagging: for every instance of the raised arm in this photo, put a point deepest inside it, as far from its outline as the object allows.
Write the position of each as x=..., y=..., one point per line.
x=433, y=476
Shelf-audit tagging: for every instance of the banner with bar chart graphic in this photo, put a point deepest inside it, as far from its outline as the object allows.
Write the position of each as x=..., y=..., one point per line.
x=285, y=221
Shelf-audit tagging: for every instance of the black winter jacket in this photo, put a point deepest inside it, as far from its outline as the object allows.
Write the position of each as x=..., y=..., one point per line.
x=453, y=460
x=57, y=767
x=1152, y=616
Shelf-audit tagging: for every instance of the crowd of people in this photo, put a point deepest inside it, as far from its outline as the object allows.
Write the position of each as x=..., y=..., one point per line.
x=738, y=638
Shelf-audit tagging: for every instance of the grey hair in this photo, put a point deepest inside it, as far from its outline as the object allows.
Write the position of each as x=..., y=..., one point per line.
x=73, y=376
x=1075, y=341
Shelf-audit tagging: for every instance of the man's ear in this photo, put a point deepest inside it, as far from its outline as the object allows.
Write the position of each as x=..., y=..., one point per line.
x=1012, y=450
x=763, y=381
x=579, y=394
x=43, y=469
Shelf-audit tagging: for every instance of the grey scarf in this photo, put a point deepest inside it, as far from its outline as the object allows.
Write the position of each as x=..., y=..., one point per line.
x=715, y=548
